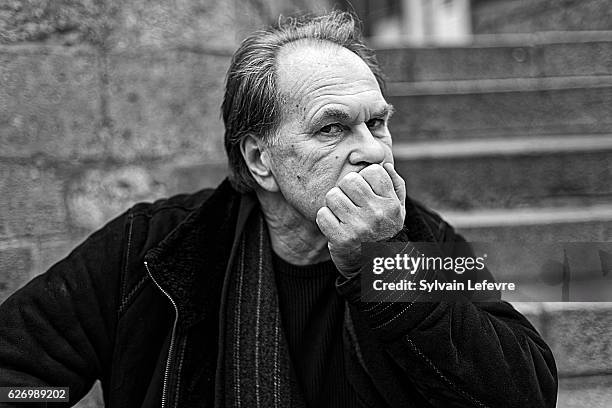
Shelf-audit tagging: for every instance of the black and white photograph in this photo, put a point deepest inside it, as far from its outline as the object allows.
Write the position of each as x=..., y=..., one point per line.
x=306, y=204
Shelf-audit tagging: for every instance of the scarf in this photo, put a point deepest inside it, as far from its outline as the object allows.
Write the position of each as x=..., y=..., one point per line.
x=255, y=358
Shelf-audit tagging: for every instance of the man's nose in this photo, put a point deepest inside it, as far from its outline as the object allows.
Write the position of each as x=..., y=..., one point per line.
x=368, y=149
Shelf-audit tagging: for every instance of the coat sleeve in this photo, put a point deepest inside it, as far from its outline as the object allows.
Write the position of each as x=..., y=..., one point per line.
x=459, y=353
x=58, y=330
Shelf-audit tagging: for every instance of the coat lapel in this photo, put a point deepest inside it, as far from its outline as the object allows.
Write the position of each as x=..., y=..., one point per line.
x=190, y=263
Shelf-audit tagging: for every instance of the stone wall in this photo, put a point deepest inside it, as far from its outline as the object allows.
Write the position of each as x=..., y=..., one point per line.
x=104, y=104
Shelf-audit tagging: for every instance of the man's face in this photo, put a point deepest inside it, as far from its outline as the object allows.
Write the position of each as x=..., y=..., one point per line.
x=334, y=121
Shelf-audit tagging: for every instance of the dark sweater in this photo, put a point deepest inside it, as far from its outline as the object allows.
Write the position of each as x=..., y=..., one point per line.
x=312, y=314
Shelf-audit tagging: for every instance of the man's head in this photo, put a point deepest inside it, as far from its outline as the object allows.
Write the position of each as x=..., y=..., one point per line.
x=254, y=103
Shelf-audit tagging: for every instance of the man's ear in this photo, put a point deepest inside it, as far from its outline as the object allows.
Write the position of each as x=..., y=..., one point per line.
x=257, y=158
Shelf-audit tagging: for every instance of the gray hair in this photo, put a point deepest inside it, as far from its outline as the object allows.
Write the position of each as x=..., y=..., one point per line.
x=252, y=103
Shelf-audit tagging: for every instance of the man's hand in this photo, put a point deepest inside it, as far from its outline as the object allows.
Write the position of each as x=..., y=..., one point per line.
x=367, y=206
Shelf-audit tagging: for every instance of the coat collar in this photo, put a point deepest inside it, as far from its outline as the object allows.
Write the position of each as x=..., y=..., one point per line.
x=191, y=262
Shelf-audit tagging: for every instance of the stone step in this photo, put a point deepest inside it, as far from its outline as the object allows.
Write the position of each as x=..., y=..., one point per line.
x=585, y=391
x=502, y=56
x=579, y=335
x=525, y=16
x=508, y=173
x=460, y=109
x=538, y=224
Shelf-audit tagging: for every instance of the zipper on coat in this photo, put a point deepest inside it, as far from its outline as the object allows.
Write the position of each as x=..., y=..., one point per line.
x=172, y=338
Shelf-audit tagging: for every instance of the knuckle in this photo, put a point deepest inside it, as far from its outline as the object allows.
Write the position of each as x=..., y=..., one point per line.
x=362, y=229
x=352, y=236
x=376, y=209
x=380, y=171
x=351, y=181
x=366, y=171
x=332, y=195
x=376, y=167
x=320, y=213
x=346, y=181
x=339, y=237
x=351, y=177
x=378, y=213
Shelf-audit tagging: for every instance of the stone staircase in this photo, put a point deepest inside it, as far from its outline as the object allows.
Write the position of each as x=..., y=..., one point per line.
x=510, y=139
x=513, y=127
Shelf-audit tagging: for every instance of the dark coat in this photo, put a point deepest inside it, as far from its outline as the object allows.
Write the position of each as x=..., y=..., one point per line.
x=137, y=306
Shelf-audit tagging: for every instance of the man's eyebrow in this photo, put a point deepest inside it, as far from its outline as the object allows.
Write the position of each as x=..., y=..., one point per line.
x=342, y=115
x=386, y=112
x=334, y=113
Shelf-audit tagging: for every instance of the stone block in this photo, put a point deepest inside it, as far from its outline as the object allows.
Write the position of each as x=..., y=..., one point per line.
x=190, y=177
x=533, y=312
x=97, y=195
x=64, y=21
x=31, y=201
x=135, y=24
x=50, y=102
x=160, y=24
x=457, y=63
x=16, y=264
x=528, y=58
x=528, y=16
x=203, y=24
x=480, y=113
x=554, y=232
x=580, y=58
x=162, y=104
x=579, y=335
x=585, y=391
x=131, y=24
x=51, y=249
x=510, y=181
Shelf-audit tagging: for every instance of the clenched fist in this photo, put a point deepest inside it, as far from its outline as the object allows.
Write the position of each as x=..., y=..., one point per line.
x=367, y=206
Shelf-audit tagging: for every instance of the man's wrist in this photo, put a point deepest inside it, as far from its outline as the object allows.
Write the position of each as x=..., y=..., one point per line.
x=400, y=236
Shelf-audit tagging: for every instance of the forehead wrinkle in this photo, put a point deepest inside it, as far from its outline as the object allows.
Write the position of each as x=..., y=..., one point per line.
x=336, y=86
x=309, y=85
x=318, y=106
x=297, y=95
x=306, y=73
x=309, y=57
x=298, y=89
x=339, y=85
x=306, y=58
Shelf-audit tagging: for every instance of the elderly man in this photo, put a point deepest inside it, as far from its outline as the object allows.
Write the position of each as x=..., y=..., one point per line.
x=248, y=295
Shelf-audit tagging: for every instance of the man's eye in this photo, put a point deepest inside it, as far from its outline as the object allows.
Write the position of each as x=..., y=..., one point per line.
x=375, y=123
x=332, y=129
